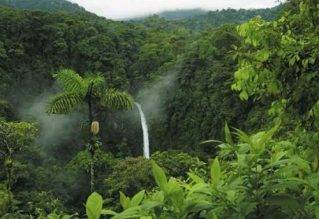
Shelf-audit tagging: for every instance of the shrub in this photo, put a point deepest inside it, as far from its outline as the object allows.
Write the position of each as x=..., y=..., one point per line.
x=6, y=111
x=4, y=199
x=129, y=175
x=177, y=164
x=39, y=203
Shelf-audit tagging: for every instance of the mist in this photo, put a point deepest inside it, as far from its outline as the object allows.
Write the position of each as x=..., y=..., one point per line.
x=53, y=129
x=152, y=97
x=123, y=9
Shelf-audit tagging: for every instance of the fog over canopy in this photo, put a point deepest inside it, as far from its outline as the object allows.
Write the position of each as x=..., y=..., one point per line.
x=121, y=9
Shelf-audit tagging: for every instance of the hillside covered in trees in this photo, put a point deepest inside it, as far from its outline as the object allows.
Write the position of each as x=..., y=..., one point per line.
x=40, y=5
x=200, y=20
x=230, y=99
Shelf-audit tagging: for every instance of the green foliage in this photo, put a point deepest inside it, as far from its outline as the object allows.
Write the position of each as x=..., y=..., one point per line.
x=202, y=100
x=15, y=135
x=270, y=174
x=159, y=176
x=39, y=203
x=130, y=176
x=94, y=206
x=51, y=6
x=128, y=56
x=6, y=111
x=117, y=100
x=278, y=59
x=14, y=138
x=64, y=103
x=198, y=20
x=72, y=82
x=78, y=90
x=258, y=178
x=103, y=161
x=126, y=202
x=4, y=199
x=177, y=164
x=215, y=172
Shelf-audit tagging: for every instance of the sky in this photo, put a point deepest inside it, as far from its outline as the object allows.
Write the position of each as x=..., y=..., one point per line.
x=123, y=9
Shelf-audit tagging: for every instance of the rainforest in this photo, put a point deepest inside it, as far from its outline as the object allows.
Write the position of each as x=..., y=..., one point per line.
x=178, y=115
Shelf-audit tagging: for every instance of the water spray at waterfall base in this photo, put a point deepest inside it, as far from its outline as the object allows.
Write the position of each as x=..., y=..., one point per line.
x=146, y=143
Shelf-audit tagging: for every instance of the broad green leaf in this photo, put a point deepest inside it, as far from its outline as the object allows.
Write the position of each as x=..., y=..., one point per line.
x=195, y=178
x=172, y=186
x=53, y=216
x=151, y=204
x=108, y=212
x=125, y=201
x=215, y=172
x=94, y=206
x=228, y=136
x=231, y=195
x=202, y=188
x=301, y=163
x=277, y=156
x=243, y=95
x=137, y=199
x=133, y=212
x=158, y=196
x=262, y=55
x=159, y=175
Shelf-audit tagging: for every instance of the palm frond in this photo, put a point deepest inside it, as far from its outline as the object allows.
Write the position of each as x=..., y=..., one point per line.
x=63, y=103
x=96, y=79
x=117, y=100
x=70, y=81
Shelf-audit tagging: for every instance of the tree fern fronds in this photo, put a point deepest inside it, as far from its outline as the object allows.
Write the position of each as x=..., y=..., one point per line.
x=97, y=80
x=70, y=81
x=117, y=100
x=63, y=103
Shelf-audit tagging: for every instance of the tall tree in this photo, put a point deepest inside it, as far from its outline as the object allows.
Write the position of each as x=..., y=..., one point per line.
x=14, y=137
x=278, y=61
x=91, y=91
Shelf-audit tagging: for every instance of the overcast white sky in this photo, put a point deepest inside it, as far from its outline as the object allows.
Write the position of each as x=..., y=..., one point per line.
x=121, y=9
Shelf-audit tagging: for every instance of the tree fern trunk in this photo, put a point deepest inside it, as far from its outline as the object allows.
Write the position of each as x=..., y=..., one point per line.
x=91, y=144
x=92, y=174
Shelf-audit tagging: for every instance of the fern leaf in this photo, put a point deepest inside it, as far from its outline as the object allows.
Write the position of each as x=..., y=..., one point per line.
x=71, y=81
x=63, y=103
x=96, y=80
x=117, y=100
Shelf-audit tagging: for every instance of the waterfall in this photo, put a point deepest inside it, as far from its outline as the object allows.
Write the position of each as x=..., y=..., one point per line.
x=146, y=149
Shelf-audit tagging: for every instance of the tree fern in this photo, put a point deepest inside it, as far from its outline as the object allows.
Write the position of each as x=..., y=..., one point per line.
x=71, y=81
x=77, y=90
x=116, y=100
x=96, y=80
x=63, y=103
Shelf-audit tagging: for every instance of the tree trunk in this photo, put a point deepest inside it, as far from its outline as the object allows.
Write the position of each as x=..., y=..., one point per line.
x=91, y=141
x=92, y=174
x=9, y=179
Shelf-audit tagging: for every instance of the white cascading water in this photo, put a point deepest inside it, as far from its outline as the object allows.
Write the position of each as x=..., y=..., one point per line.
x=145, y=132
